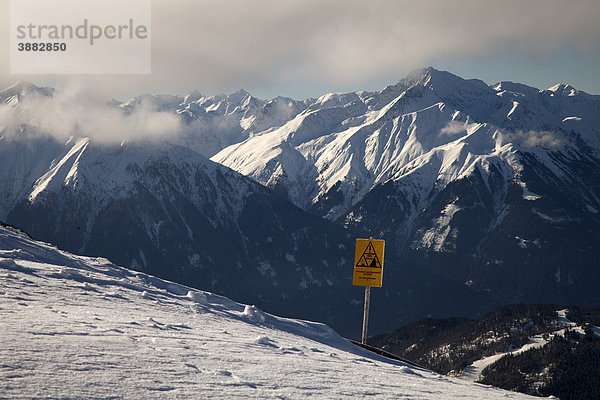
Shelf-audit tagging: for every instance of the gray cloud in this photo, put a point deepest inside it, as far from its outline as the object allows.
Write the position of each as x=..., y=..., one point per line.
x=278, y=47
x=529, y=139
x=77, y=112
x=453, y=128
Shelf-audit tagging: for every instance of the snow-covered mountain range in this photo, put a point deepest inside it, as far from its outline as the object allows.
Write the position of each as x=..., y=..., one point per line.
x=432, y=124
x=484, y=194
x=494, y=187
x=80, y=327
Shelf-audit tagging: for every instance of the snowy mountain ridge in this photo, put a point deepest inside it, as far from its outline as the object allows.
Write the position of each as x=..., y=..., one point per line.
x=345, y=144
x=99, y=172
x=341, y=145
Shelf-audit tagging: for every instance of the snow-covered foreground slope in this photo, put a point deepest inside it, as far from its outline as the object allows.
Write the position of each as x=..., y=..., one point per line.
x=84, y=328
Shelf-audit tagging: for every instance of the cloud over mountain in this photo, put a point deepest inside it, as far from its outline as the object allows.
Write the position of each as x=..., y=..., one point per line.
x=300, y=47
x=77, y=112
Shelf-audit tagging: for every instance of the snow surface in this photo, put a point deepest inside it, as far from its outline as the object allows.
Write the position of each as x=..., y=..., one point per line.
x=528, y=194
x=435, y=237
x=473, y=371
x=564, y=322
x=80, y=327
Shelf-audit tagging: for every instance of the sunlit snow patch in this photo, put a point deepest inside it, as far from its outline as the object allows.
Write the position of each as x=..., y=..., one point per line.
x=527, y=194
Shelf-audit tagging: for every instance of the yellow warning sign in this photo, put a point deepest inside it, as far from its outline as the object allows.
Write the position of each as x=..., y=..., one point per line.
x=368, y=262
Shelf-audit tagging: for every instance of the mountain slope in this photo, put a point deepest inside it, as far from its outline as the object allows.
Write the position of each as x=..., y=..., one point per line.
x=82, y=327
x=166, y=210
x=535, y=349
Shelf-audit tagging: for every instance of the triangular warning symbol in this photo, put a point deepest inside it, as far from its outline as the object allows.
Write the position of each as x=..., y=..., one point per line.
x=369, y=258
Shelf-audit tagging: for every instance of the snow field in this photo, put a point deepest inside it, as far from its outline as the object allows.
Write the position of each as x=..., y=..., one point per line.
x=77, y=327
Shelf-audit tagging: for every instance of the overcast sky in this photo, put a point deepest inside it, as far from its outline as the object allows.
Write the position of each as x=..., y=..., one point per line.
x=305, y=48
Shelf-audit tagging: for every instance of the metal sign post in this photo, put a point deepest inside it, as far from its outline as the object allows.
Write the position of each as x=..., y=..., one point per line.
x=368, y=272
x=366, y=314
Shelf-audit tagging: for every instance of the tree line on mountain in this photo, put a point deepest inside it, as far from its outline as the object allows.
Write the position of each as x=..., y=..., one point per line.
x=568, y=367
x=449, y=345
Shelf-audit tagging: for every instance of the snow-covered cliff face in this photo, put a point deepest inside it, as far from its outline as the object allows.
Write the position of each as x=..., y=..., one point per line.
x=484, y=194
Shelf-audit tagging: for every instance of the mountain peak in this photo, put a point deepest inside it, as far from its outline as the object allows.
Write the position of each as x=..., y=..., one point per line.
x=241, y=92
x=463, y=94
x=21, y=86
x=443, y=82
x=25, y=88
x=194, y=95
x=429, y=73
x=513, y=87
x=418, y=76
x=561, y=89
x=240, y=95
